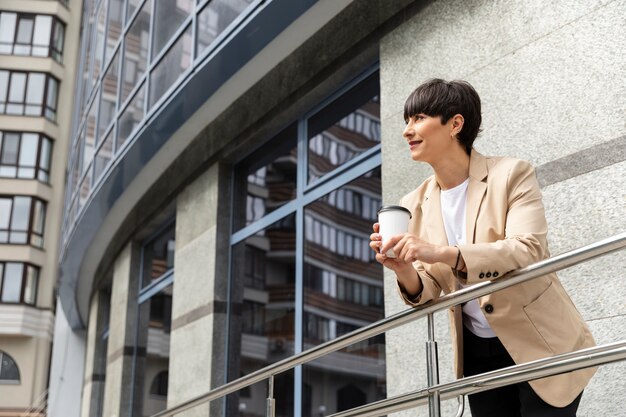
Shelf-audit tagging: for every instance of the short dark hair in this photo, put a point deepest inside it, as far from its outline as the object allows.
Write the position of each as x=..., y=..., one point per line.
x=437, y=97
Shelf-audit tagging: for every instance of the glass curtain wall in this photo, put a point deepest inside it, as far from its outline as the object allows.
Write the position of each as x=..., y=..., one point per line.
x=152, y=346
x=302, y=270
x=134, y=55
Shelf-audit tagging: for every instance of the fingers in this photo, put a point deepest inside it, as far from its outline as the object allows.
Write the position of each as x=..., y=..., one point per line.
x=392, y=243
x=376, y=227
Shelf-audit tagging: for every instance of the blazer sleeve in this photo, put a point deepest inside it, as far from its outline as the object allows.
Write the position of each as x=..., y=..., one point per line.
x=525, y=230
x=431, y=290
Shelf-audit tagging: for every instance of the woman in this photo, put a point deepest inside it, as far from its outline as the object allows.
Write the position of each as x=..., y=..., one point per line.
x=476, y=219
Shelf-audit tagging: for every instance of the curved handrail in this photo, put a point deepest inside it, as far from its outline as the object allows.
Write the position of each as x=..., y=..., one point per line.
x=528, y=273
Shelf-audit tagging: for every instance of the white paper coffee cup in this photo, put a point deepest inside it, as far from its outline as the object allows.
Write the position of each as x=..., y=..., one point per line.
x=393, y=220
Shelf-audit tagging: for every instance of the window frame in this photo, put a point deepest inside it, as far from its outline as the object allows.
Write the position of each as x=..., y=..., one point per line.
x=30, y=232
x=25, y=266
x=52, y=51
x=306, y=193
x=37, y=168
x=43, y=106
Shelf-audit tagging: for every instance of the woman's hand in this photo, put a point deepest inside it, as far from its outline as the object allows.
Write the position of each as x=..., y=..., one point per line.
x=408, y=249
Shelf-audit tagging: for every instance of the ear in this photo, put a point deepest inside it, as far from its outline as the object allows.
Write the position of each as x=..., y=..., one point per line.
x=457, y=124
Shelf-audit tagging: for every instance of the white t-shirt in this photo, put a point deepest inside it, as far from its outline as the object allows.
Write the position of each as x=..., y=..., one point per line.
x=453, y=210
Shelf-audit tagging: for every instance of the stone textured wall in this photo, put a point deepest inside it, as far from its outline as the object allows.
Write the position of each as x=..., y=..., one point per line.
x=551, y=78
x=200, y=293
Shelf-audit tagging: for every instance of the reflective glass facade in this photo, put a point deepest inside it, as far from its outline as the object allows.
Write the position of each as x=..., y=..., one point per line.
x=134, y=54
x=302, y=270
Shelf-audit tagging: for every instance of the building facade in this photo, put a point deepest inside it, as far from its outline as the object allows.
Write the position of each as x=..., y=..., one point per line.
x=228, y=159
x=38, y=50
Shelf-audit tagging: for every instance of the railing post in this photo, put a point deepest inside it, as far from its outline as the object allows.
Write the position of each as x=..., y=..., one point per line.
x=270, y=409
x=432, y=364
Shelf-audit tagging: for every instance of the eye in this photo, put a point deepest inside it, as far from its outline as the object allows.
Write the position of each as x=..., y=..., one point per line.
x=419, y=117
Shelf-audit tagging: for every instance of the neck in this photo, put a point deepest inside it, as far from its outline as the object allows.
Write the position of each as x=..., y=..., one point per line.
x=452, y=170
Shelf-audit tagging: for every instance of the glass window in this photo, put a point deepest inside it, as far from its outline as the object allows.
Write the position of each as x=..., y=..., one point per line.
x=17, y=87
x=41, y=37
x=89, y=138
x=132, y=7
x=30, y=285
x=43, y=169
x=114, y=28
x=24, y=35
x=8, y=368
x=21, y=221
x=131, y=117
x=99, y=42
x=343, y=130
x=154, y=324
x=29, y=34
x=169, y=15
x=215, y=18
x=158, y=256
x=58, y=39
x=104, y=155
x=12, y=282
x=136, y=51
x=23, y=93
x=35, y=93
x=108, y=96
x=153, y=338
x=270, y=178
x=171, y=67
x=4, y=88
x=18, y=282
x=7, y=32
x=52, y=98
x=341, y=281
x=264, y=333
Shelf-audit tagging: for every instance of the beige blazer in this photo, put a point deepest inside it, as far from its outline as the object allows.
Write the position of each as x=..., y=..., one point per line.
x=506, y=230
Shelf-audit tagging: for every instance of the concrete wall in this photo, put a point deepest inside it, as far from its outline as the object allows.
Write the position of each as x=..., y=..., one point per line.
x=551, y=78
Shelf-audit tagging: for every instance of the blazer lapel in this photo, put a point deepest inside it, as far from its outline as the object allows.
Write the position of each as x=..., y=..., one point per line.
x=476, y=190
x=431, y=212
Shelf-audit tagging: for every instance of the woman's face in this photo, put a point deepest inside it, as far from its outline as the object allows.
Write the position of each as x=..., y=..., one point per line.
x=428, y=139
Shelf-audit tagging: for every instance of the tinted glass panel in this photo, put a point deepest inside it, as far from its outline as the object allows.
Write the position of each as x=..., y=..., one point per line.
x=114, y=28
x=171, y=67
x=41, y=38
x=51, y=99
x=131, y=117
x=343, y=287
x=132, y=7
x=109, y=96
x=169, y=15
x=158, y=256
x=7, y=32
x=153, y=338
x=136, y=51
x=34, y=93
x=216, y=17
x=104, y=155
x=264, y=287
x=343, y=130
x=268, y=179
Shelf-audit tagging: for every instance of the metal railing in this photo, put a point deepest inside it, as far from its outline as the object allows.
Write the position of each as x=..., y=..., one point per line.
x=435, y=392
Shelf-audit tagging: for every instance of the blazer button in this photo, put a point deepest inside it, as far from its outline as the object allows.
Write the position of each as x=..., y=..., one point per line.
x=495, y=274
x=481, y=275
x=489, y=308
x=488, y=275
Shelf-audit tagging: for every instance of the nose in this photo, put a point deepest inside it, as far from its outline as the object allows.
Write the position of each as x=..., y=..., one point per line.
x=409, y=131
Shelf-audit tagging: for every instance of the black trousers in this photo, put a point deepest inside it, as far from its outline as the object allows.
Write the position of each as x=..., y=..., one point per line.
x=519, y=400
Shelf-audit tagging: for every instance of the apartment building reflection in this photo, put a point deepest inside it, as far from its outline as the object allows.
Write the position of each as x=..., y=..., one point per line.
x=342, y=287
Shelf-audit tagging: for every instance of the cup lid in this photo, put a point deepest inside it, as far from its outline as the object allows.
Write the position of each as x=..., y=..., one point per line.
x=392, y=208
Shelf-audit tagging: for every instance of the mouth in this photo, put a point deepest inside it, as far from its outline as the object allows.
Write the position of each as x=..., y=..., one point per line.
x=414, y=143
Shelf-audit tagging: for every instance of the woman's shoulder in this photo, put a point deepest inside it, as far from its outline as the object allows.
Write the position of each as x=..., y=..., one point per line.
x=506, y=165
